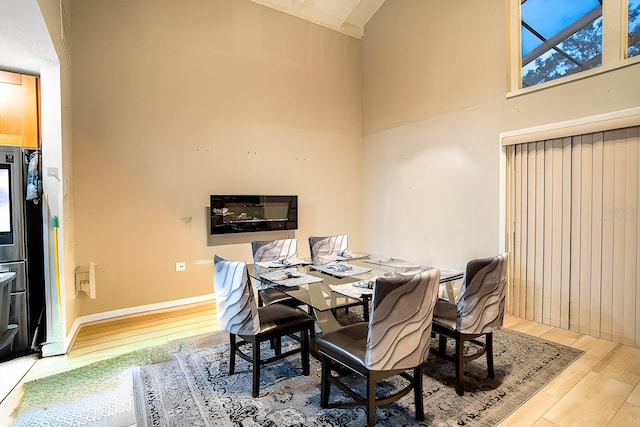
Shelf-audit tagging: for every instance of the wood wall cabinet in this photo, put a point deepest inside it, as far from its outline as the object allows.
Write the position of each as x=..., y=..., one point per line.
x=19, y=110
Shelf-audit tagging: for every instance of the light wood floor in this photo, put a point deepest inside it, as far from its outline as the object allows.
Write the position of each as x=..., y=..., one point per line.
x=602, y=388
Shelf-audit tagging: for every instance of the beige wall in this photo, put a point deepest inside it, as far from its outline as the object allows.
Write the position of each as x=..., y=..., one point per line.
x=177, y=100
x=394, y=140
x=434, y=90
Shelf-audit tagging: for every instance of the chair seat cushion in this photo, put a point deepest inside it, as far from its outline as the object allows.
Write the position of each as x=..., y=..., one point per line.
x=276, y=316
x=445, y=313
x=347, y=344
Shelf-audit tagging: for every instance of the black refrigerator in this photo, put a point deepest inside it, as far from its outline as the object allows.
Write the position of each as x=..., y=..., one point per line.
x=21, y=246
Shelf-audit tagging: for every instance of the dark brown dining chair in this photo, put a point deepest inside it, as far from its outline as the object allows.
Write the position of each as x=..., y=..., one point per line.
x=269, y=251
x=479, y=312
x=322, y=248
x=394, y=341
x=239, y=315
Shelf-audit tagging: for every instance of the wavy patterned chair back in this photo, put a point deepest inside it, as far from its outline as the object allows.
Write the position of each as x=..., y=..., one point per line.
x=324, y=246
x=482, y=296
x=271, y=250
x=400, y=323
x=235, y=301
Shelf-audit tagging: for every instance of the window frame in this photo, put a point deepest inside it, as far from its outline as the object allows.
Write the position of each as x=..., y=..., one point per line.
x=626, y=20
x=614, y=47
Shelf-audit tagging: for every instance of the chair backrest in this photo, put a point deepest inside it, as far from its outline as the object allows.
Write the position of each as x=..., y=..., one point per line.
x=320, y=247
x=482, y=296
x=235, y=301
x=400, y=322
x=272, y=250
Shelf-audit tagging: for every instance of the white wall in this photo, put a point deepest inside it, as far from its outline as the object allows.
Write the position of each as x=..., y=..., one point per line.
x=191, y=98
x=434, y=90
x=58, y=193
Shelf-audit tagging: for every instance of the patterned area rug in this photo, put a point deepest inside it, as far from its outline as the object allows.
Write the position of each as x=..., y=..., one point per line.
x=99, y=394
x=194, y=389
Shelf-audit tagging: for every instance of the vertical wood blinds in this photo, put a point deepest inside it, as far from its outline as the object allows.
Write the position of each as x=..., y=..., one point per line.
x=573, y=218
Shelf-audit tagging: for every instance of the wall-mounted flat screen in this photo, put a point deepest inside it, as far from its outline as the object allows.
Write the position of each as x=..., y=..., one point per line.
x=246, y=213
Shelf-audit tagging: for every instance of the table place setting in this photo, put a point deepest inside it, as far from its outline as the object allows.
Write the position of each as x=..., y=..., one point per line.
x=284, y=262
x=393, y=262
x=341, y=269
x=355, y=289
x=343, y=256
x=289, y=277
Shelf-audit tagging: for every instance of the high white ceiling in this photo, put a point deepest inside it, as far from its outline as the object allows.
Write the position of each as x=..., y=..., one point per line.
x=24, y=39
x=345, y=16
x=25, y=42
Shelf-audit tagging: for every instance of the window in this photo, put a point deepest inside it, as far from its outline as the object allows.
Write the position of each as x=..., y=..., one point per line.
x=560, y=38
x=633, y=43
x=558, y=41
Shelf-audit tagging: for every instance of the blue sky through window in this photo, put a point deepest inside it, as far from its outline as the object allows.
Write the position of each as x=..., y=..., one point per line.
x=549, y=17
x=559, y=38
x=564, y=37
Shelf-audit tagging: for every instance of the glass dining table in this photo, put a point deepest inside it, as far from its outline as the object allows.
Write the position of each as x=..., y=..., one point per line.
x=339, y=282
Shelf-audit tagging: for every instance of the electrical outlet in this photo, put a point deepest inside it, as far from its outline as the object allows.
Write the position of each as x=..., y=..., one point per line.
x=82, y=281
x=181, y=266
x=86, y=279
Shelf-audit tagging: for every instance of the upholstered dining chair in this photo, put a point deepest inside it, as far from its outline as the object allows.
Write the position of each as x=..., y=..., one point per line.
x=322, y=247
x=239, y=315
x=394, y=341
x=479, y=312
x=269, y=251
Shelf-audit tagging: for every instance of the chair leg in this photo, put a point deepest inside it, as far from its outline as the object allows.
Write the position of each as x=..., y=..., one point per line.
x=371, y=401
x=276, y=345
x=442, y=344
x=232, y=354
x=459, y=366
x=489, y=351
x=256, y=367
x=417, y=392
x=325, y=385
x=305, y=351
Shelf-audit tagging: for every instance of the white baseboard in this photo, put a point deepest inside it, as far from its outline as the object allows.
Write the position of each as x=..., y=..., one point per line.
x=129, y=311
